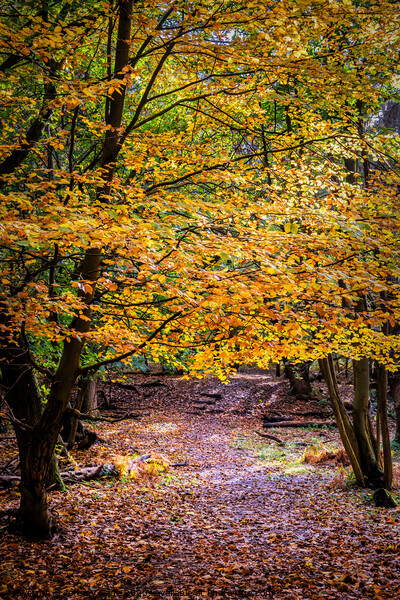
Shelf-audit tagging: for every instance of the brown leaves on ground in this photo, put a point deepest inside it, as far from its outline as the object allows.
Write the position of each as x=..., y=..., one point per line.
x=245, y=519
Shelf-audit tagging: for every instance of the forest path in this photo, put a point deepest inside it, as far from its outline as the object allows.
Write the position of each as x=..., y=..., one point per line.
x=244, y=519
x=250, y=520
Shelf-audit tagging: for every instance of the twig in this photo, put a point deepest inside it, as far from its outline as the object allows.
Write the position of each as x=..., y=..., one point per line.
x=11, y=417
x=9, y=466
x=271, y=437
x=49, y=374
x=182, y=464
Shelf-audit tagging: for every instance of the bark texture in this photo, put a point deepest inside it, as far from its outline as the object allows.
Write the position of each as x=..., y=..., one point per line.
x=362, y=426
x=394, y=387
x=299, y=378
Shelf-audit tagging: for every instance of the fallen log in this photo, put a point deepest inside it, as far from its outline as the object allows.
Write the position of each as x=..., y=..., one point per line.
x=274, y=418
x=204, y=401
x=126, y=386
x=323, y=414
x=300, y=424
x=87, y=417
x=185, y=463
x=271, y=437
x=155, y=383
x=177, y=373
x=98, y=471
x=7, y=480
x=87, y=473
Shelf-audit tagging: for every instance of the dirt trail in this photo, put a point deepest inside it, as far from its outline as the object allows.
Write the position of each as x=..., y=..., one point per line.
x=244, y=519
x=248, y=527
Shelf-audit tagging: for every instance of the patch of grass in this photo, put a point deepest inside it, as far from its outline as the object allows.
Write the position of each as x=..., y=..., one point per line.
x=272, y=453
x=324, y=403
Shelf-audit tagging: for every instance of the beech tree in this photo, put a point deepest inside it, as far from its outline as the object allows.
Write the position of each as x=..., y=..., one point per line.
x=173, y=177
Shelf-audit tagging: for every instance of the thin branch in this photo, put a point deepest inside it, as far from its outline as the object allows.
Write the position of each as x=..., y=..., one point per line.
x=109, y=361
x=33, y=362
x=11, y=417
x=146, y=93
x=226, y=164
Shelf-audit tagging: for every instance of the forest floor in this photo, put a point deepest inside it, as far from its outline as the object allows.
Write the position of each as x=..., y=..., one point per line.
x=245, y=518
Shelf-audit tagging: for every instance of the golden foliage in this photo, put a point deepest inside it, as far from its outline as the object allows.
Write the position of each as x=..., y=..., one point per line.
x=316, y=453
x=145, y=467
x=228, y=221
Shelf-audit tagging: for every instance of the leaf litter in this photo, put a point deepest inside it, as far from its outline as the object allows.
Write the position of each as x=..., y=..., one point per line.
x=244, y=517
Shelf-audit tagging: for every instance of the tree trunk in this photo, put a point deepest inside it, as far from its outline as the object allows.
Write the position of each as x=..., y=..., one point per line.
x=35, y=468
x=86, y=402
x=38, y=442
x=369, y=460
x=383, y=420
x=358, y=439
x=342, y=419
x=23, y=398
x=73, y=422
x=299, y=378
x=394, y=387
x=3, y=422
x=89, y=404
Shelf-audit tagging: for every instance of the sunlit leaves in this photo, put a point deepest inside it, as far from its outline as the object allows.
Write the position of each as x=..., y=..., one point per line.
x=229, y=204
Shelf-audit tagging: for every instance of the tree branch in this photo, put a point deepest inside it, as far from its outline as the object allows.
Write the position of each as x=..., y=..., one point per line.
x=109, y=361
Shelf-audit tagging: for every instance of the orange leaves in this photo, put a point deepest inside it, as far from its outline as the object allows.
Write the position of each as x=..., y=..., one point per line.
x=227, y=200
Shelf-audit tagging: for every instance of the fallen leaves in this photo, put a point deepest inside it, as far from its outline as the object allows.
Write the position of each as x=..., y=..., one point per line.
x=235, y=523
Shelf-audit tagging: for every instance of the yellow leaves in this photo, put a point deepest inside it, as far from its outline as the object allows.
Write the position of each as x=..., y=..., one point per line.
x=183, y=193
x=291, y=228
